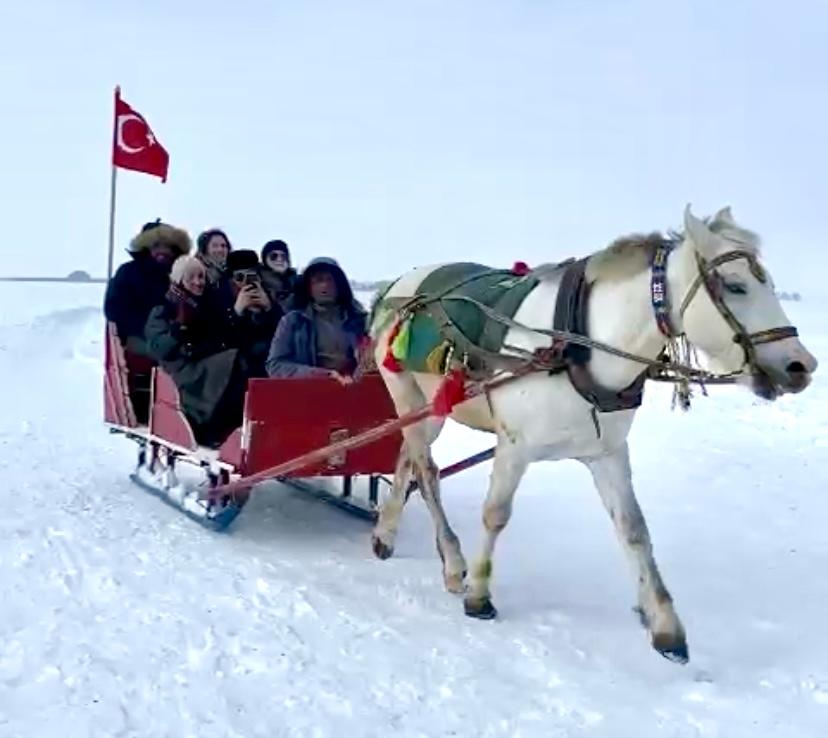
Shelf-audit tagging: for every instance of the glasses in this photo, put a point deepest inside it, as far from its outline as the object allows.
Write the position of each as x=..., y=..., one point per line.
x=277, y=256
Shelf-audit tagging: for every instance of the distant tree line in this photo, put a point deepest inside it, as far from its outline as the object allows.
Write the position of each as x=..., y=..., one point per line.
x=793, y=296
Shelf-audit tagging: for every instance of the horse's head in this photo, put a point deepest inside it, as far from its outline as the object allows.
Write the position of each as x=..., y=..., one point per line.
x=731, y=312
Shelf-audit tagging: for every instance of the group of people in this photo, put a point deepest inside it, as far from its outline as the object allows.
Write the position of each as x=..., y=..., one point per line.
x=215, y=319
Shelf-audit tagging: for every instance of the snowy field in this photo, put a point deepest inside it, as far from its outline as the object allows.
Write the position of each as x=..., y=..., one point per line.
x=122, y=618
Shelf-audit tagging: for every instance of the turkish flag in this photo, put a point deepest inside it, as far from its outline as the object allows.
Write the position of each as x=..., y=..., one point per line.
x=134, y=145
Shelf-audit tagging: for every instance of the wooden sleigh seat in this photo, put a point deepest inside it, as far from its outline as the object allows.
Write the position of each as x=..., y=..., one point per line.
x=139, y=395
x=284, y=418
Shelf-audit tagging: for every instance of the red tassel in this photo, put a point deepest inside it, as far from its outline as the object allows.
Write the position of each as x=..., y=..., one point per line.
x=521, y=268
x=390, y=362
x=451, y=392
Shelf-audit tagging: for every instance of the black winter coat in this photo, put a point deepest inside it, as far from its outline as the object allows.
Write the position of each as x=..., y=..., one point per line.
x=135, y=289
x=196, y=353
x=280, y=287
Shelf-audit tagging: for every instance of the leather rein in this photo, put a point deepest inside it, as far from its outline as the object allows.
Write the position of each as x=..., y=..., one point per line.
x=712, y=281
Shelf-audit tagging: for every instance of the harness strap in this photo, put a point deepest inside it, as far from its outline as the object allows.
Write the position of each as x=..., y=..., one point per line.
x=659, y=297
x=571, y=351
x=478, y=361
x=570, y=323
x=748, y=341
x=774, y=334
x=572, y=314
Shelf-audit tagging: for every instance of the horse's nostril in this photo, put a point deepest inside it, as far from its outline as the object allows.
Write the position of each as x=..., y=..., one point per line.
x=796, y=367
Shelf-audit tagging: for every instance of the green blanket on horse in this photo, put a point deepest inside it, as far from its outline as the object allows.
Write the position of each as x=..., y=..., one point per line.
x=445, y=320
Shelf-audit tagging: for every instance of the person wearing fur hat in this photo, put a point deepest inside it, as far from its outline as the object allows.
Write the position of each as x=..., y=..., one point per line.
x=324, y=334
x=213, y=247
x=278, y=276
x=140, y=284
x=189, y=337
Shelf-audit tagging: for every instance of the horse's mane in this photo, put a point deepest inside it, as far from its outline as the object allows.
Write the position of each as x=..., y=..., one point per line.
x=624, y=257
x=632, y=254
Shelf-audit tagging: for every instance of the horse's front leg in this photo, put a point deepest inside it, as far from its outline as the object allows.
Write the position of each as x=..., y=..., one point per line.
x=507, y=470
x=407, y=397
x=613, y=478
x=448, y=545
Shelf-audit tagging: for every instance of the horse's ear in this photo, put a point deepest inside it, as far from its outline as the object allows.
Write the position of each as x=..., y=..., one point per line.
x=724, y=216
x=699, y=233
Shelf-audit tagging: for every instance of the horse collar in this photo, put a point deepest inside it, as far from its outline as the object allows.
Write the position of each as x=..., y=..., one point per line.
x=658, y=288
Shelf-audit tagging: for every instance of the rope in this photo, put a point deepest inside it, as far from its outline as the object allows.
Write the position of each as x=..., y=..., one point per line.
x=662, y=367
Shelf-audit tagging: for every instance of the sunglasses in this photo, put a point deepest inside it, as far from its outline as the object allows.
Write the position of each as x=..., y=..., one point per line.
x=277, y=256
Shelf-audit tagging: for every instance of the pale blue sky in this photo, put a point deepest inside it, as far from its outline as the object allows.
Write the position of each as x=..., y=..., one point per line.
x=390, y=134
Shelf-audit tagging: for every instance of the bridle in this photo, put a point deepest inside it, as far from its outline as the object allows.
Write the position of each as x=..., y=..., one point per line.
x=712, y=281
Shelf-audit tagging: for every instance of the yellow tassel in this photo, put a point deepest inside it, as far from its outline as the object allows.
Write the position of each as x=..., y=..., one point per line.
x=436, y=359
x=399, y=346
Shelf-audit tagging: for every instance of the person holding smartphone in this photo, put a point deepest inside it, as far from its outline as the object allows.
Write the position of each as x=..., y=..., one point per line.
x=253, y=316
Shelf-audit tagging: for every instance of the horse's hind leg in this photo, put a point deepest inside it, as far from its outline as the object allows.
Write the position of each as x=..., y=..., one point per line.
x=507, y=470
x=613, y=479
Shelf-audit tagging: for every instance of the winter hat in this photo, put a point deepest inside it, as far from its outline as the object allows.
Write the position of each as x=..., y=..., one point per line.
x=158, y=232
x=275, y=245
x=183, y=266
x=323, y=264
x=204, y=238
x=242, y=259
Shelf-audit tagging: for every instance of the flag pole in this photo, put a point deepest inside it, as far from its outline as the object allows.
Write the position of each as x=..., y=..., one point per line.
x=111, y=224
x=112, y=190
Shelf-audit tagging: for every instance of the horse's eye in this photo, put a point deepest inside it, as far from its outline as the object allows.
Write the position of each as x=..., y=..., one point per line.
x=735, y=288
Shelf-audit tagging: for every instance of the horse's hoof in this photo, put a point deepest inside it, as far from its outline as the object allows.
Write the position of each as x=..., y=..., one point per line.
x=482, y=609
x=381, y=550
x=671, y=647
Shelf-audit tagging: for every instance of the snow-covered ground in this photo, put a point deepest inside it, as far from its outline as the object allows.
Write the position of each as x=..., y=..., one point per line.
x=119, y=617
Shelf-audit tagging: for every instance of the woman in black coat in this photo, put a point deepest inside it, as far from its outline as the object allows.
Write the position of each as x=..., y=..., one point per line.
x=189, y=336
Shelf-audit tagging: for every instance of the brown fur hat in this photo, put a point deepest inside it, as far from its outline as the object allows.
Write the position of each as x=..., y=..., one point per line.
x=153, y=233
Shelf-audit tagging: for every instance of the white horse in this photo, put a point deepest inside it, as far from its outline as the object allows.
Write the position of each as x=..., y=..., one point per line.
x=736, y=321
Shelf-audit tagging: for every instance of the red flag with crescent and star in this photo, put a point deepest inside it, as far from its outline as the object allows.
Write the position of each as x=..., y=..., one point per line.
x=134, y=145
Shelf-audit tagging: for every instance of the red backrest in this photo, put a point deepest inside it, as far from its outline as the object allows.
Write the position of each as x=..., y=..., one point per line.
x=167, y=420
x=127, y=378
x=290, y=417
x=117, y=404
